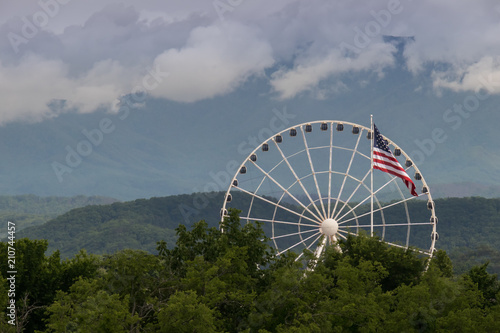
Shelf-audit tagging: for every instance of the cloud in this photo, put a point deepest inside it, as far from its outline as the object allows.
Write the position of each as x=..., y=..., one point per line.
x=458, y=38
x=215, y=61
x=307, y=75
x=484, y=74
x=39, y=88
x=93, y=52
x=91, y=66
x=84, y=68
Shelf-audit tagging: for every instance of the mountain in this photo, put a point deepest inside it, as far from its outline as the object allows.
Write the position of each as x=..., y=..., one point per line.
x=467, y=226
x=166, y=148
x=137, y=224
x=31, y=210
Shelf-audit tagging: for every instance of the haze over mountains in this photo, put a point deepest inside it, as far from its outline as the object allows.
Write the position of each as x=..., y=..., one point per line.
x=169, y=148
x=217, y=80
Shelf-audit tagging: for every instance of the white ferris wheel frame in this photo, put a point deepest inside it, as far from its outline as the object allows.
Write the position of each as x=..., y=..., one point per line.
x=318, y=212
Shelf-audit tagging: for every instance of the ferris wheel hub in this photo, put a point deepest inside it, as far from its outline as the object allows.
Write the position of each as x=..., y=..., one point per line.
x=329, y=227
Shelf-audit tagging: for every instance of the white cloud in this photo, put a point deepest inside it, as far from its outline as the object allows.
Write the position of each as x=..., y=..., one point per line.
x=92, y=52
x=215, y=61
x=28, y=90
x=484, y=74
x=307, y=75
x=457, y=35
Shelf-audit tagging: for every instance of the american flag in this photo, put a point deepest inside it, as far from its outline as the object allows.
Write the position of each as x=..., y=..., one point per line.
x=384, y=160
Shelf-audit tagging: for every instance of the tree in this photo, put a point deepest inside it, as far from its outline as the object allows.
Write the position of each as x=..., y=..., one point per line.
x=486, y=283
x=161, y=248
x=403, y=265
x=184, y=312
x=87, y=308
x=443, y=263
x=133, y=274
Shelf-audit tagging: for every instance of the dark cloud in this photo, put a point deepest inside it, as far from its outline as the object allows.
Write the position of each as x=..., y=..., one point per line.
x=91, y=53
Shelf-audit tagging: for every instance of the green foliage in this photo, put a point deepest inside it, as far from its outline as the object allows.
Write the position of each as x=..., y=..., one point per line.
x=39, y=277
x=442, y=262
x=402, y=266
x=486, y=283
x=105, y=229
x=467, y=226
x=231, y=281
x=185, y=313
x=87, y=308
x=30, y=210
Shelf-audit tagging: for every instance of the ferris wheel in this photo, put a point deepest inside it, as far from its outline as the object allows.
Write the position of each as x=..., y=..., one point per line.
x=313, y=184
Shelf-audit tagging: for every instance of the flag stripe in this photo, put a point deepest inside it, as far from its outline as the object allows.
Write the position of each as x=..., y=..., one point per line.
x=395, y=168
x=397, y=174
x=382, y=162
x=388, y=162
x=383, y=154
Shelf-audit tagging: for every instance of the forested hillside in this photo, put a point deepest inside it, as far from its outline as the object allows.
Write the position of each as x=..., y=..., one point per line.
x=137, y=224
x=232, y=282
x=468, y=227
x=30, y=210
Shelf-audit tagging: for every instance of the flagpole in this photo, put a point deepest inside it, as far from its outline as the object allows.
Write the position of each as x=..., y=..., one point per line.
x=371, y=175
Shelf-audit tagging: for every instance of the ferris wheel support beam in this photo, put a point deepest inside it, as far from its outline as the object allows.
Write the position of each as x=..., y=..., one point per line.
x=371, y=174
x=330, y=172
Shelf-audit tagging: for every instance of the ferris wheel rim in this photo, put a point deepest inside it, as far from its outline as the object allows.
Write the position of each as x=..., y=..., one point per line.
x=319, y=210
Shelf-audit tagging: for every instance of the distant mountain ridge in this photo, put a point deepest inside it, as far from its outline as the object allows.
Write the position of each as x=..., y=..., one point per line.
x=30, y=210
x=467, y=226
x=135, y=224
x=33, y=204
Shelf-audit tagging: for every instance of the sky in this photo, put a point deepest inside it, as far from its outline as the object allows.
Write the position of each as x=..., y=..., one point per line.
x=59, y=56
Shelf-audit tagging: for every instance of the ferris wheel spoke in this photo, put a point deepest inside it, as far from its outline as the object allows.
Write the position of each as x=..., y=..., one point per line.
x=388, y=225
x=368, y=197
x=295, y=234
x=286, y=191
x=279, y=222
x=299, y=256
x=361, y=182
x=252, y=200
x=301, y=242
x=298, y=179
x=347, y=172
x=391, y=243
x=396, y=245
x=356, y=234
x=340, y=221
x=277, y=205
x=342, y=236
x=405, y=247
x=313, y=173
x=314, y=241
x=347, y=232
x=352, y=209
x=307, y=248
